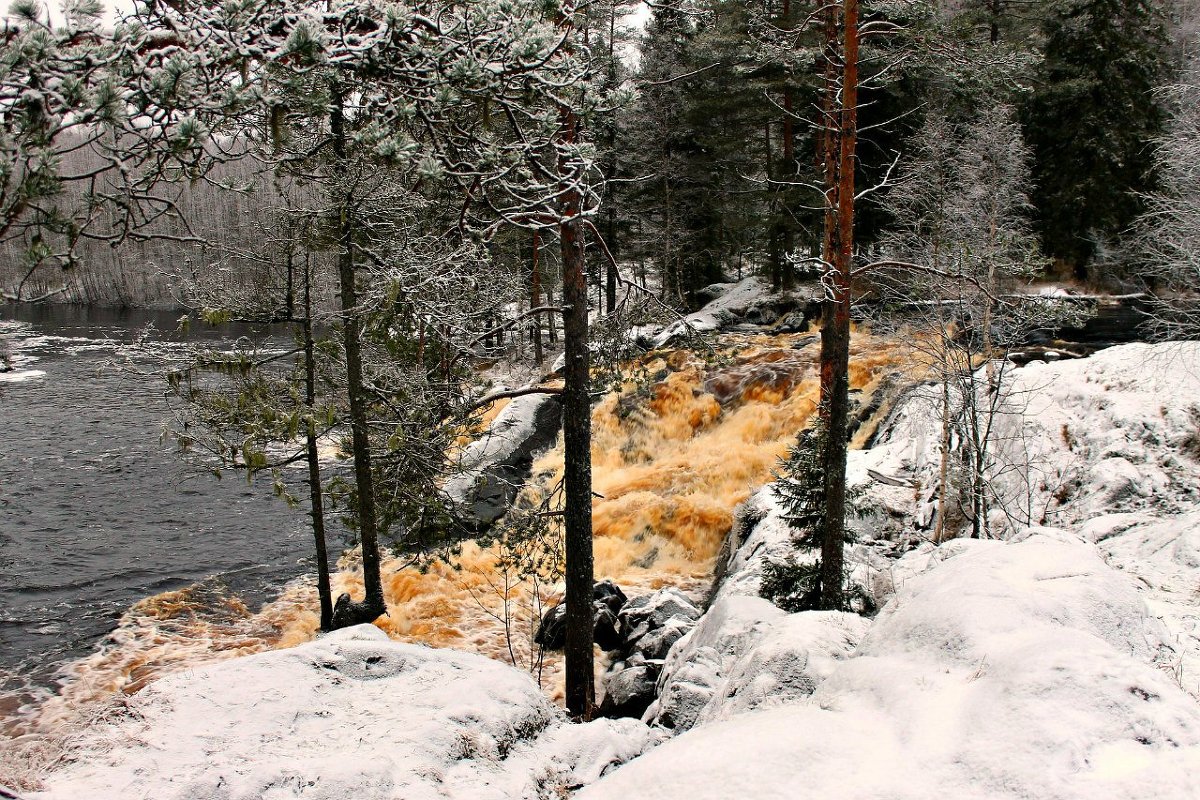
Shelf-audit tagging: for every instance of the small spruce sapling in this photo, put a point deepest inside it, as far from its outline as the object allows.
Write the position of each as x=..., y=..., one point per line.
x=794, y=583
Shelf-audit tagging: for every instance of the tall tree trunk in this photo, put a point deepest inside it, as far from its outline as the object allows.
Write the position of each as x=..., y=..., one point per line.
x=835, y=333
x=551, y=325
x=312, y=457
x=577, y=424
x=535, y=300
x=774, y=257
x=580, y=689
x=347, y=612
x=789, y=173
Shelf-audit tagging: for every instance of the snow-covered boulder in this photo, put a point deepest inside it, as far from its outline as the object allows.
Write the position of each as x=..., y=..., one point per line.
x=495, y=466
x=730, y=304
x=1162, y=554
x=1114, y=432
x=1006, y=670
x=748, y=303
x=746, y=653
x=760, y=534
x=351, y=715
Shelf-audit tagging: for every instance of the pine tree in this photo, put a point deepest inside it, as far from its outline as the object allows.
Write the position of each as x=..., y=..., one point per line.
x=1090, y=122
x=795, y=585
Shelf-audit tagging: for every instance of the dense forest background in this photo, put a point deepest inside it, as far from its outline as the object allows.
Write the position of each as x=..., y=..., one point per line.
x=709, y=149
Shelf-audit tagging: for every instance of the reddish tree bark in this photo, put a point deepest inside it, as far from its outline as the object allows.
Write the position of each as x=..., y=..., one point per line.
x=841, y=143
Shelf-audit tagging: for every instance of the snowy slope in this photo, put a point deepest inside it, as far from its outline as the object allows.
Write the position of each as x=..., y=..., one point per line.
x=1107, y=446
x=1007, y=670
x=1055, y=664
x=351, y=715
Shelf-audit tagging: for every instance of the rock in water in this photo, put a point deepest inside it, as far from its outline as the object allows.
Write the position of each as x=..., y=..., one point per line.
x=495, y=466
x=608, y=600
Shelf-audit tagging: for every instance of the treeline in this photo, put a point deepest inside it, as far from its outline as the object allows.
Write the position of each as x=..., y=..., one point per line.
x=213, y=231
x=715, y=169
x=711, y=166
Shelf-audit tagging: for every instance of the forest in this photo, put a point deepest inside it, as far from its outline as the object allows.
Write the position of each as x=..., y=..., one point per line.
x=824, y=331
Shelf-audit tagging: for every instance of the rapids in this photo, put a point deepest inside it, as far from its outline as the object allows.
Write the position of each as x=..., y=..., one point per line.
x=672, y=457
x=673, y=454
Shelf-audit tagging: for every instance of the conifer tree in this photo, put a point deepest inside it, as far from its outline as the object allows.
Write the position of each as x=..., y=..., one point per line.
x=1090, y=122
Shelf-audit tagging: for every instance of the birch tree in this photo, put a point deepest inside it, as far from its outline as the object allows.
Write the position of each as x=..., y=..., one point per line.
x=1168, y=235
x=964, y=241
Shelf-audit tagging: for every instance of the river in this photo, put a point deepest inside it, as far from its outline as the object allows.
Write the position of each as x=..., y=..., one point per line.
x=97, y=512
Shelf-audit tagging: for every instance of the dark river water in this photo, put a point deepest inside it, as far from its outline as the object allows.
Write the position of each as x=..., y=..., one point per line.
x=97, y=512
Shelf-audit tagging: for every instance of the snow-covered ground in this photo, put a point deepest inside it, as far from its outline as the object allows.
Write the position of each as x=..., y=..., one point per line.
x=1004, y=670
x=1107, y=447
x=1055, y=663
x=351, y=715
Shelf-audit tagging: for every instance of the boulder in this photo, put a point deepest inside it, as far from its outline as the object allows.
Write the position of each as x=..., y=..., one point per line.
x=494, y=467
x=657, y=643
x=607, y=630
x=350, y=715
x=649, y=626
x=629, y=689
x=649, y=612
x=608, y=600
x=746, y=653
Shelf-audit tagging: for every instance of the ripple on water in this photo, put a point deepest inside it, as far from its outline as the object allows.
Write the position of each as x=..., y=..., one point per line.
x=98, y=518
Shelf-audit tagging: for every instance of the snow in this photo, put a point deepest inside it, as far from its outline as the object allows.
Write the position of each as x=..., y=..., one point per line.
x=732, y=302
x=513, y=426
x=21, y=375
x=1008, y=669
x=760, y=534
x=745, y=652
x=352, y=714
x=1163, y=556
x=1104, y=446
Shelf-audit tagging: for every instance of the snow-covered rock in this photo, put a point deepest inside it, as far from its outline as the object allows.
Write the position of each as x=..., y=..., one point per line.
x=648, y=613
x=729, y=305
x=746, y=653
x=492, y=468
x=1105, y=447
x=1005, y=670
x=351, y=715
x=760, y=534
x=1114, y=432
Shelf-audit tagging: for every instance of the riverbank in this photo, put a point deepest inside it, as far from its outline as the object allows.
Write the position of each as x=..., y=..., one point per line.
x=1055, y=663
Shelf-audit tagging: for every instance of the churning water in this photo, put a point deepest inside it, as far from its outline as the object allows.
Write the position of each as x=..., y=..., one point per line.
x=119, y=565
x=97, y=513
